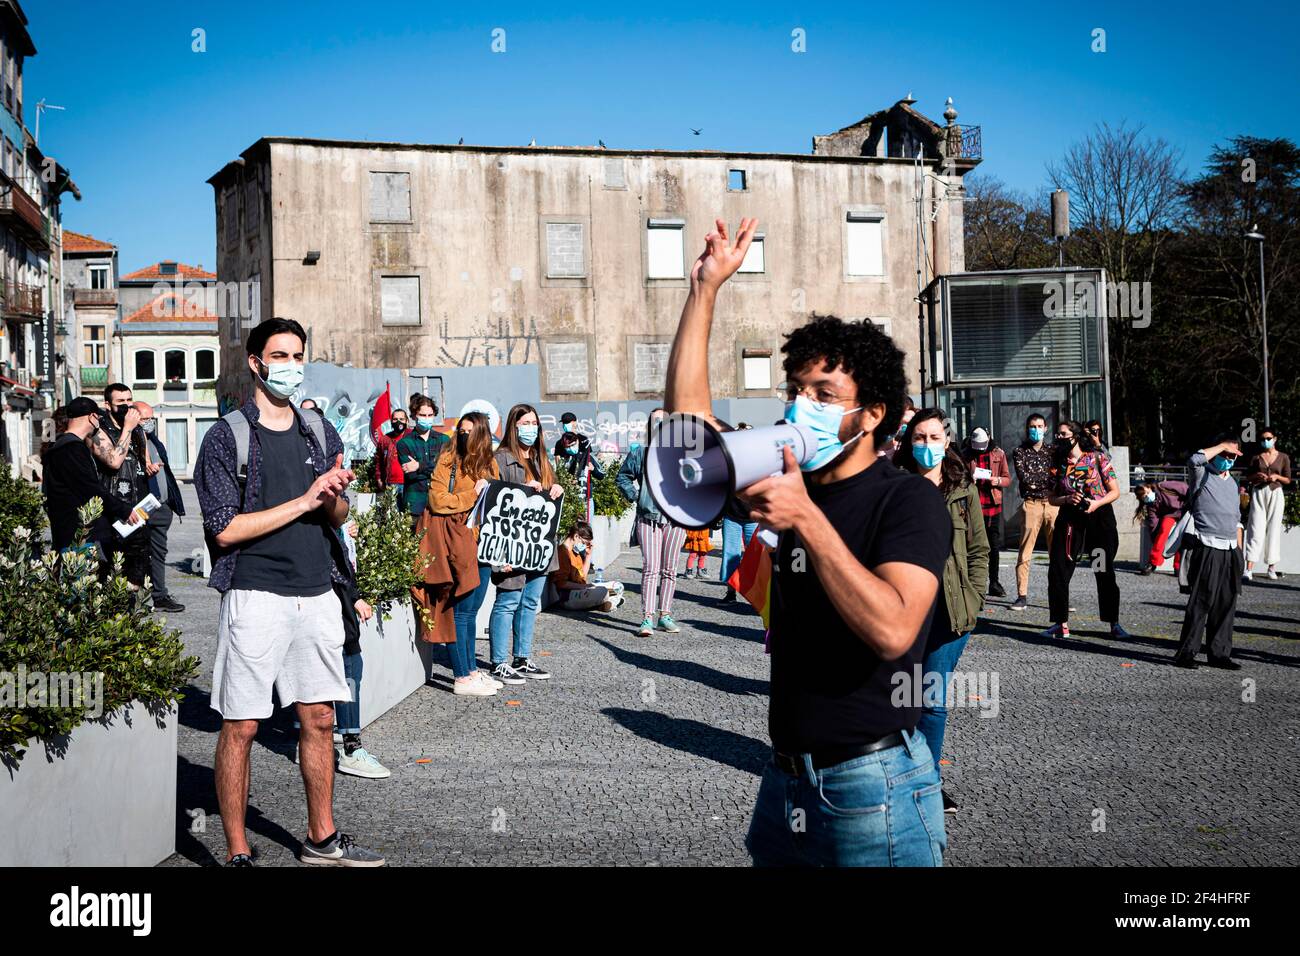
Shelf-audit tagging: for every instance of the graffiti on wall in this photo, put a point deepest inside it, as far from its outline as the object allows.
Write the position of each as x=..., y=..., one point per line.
x=346, y=397
x=496, y=341
x=610, y=428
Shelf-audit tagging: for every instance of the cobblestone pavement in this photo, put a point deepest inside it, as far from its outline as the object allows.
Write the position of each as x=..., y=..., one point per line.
x=647, y=751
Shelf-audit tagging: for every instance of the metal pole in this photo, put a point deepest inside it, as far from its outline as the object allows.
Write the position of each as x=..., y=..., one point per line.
x=1263, y=309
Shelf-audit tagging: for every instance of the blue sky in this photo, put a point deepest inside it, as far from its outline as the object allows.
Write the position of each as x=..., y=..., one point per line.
x=148, y=120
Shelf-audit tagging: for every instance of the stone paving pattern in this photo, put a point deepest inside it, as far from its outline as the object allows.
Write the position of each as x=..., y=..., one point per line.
x=647, y=751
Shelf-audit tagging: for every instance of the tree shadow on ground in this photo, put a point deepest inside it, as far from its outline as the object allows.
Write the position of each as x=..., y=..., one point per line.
x=694, y=737
x=709, y=677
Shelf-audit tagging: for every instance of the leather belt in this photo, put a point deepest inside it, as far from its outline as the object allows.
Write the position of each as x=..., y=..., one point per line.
x=822, y=759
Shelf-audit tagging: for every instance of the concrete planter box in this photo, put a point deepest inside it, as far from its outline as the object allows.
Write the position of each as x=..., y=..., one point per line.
x=395, y=662
x=610, y=537
x=1290, y=557
x=365, y=500
x=108, y=799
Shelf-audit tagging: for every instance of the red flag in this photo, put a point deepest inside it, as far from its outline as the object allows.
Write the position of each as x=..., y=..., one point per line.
x=382, y=412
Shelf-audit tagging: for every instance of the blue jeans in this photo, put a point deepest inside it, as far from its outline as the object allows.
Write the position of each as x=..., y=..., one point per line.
x=515, y=611
x=464, y=660
x=883, y=809
x=942, y=660
x=347, y=713
x=735, y=537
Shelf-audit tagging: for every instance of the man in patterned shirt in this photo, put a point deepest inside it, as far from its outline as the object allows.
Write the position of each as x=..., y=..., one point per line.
x=1033, y=464
x=276, y=557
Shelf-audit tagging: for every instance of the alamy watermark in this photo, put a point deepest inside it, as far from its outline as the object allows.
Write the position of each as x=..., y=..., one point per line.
x=1081, y=297
x=22, y=688
x=928, y=689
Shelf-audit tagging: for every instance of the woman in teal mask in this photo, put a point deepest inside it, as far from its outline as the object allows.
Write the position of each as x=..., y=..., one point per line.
x=926, y=449
x=1267, y=475
x=522, y=460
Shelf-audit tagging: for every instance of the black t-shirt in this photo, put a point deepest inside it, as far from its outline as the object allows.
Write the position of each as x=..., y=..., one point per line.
x=829, y=689
x=70, y=478
x=294, y=560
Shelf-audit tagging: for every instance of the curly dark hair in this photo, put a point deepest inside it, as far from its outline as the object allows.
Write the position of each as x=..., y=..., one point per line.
x=864, y=352
x=952, y=470
x=1061, y=454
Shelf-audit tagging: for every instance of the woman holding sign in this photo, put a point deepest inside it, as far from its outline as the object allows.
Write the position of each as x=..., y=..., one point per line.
x=457, y=481
x=520, y=459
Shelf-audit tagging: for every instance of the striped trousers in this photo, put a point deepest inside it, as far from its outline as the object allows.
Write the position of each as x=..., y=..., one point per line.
x=660, y=546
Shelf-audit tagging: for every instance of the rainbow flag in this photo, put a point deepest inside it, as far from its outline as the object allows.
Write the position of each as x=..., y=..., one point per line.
x=752, y=579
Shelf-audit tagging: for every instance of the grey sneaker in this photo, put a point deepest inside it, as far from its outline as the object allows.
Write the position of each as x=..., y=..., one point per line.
x=1021, y=603
x=342, y=850
x=360, y=763
x=507, y=674
x=530, y=670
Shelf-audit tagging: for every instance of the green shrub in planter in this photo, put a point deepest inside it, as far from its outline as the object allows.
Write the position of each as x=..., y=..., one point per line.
x=606, y=499
x=1291, y=509
x=21, y=506
x=365, y=483
x=388, y=553
x=575, y=505
x=59, y=618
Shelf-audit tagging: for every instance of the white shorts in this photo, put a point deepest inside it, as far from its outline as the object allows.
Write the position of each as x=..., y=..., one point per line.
x=292, y=643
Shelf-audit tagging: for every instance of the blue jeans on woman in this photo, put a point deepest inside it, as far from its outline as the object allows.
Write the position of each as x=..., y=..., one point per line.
x=883, y=809
x=347, y=713
x=943, y=661
x=735, y=537
x=515, y=611
x=464, y=660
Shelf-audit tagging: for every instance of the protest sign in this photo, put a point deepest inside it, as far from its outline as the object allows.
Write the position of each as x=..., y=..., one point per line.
x=517, y=526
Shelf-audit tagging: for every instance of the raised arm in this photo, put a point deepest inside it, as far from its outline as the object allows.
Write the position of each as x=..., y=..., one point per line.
x=687, y=388
x=110, y=454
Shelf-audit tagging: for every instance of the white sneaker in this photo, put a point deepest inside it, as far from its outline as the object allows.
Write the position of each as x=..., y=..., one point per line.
x=361, y=764
x=473, y=688
x=1246, y=578
x=489, y=680
x=1272, y=575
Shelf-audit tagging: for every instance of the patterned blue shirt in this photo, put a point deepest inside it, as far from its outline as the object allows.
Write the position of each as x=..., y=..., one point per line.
x=217, y=482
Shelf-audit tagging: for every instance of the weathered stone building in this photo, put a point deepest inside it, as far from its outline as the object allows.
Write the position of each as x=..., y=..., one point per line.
x=576, y=258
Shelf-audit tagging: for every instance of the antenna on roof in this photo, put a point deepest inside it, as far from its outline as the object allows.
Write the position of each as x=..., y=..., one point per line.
x=41, y=107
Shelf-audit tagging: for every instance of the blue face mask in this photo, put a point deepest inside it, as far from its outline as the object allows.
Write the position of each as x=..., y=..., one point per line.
x=927, y=455
x=825, y=423
x=424, y=424
x=527, y=434
x=579, y=549
x=1036, y=433
x=1149, y=498
x=1220, y=464
x=1266, y=443
x=567, y=426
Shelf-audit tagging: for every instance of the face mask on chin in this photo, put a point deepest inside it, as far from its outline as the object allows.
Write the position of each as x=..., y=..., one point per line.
x=825, y=423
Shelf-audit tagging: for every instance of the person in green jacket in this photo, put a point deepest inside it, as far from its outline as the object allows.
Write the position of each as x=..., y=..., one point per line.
x=418, y=452
x=926, y=449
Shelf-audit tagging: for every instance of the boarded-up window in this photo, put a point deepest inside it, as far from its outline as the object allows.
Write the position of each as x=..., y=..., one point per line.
x=564, y=250
x=755, y=259
x=757, y=370
x=864, y=240
x=664, y=249
x=650, y=365
x=566, y=368
x=400, y=300
x=615, y=178
x=390, y=197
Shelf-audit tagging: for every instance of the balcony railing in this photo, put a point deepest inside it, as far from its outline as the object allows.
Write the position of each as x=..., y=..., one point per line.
x=964, y=142
x=95, y=297
x=94, y=376
x=21, y=214
x=22, y=301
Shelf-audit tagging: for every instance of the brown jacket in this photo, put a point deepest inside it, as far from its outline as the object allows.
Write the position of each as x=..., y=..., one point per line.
x=450, y=550
x=997, y=464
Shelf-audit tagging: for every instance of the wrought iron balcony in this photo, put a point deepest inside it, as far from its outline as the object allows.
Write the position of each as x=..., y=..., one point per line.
x=21, y=214
x=964, y=142
x=23, y=302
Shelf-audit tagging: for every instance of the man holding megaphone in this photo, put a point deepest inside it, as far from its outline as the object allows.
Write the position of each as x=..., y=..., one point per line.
x=860, y=547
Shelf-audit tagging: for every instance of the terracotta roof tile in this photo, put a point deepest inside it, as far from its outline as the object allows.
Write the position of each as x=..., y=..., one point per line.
x=80, y=242
x=155, y=272
x=171, y=307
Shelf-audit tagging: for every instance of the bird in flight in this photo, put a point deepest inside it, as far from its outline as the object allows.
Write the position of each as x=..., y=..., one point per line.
x=602, y=143
x=697, y=132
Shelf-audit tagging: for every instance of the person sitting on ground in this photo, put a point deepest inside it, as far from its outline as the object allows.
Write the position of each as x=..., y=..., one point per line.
x=570, y=579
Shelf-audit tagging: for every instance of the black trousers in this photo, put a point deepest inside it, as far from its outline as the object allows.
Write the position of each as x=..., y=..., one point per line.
x=1215, y=579
x=1083, y=533
x=995, y=527
x=160, y=522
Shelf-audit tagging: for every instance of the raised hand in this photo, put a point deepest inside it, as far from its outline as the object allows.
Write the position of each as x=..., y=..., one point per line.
x=720, y=258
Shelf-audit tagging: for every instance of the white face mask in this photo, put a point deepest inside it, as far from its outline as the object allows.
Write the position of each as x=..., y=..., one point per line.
x=149, y=425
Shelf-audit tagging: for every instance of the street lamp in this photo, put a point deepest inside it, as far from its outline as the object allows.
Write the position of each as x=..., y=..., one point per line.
x=1258, y=236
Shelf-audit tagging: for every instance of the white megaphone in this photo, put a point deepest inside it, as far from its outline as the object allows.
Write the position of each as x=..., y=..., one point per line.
x=693, y=469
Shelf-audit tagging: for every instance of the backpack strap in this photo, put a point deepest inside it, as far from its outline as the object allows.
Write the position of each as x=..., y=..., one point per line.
x=239, y=427
x=317, y=426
